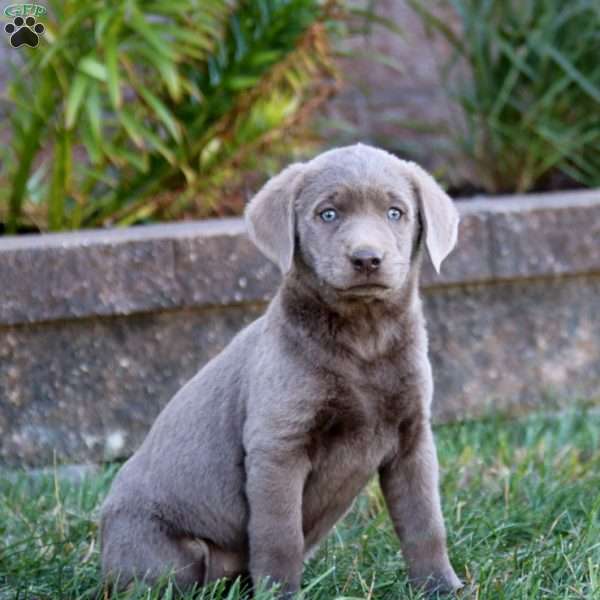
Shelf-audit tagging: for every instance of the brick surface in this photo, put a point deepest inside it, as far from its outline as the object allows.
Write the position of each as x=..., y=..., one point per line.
x=142, y=269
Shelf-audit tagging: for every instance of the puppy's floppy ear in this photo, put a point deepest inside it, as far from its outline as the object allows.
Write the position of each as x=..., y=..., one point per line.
x=440, y=216
x=270, y=216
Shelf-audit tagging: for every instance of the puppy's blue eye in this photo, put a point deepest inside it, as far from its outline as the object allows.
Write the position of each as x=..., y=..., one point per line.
x=328, y=215
x=394, y=214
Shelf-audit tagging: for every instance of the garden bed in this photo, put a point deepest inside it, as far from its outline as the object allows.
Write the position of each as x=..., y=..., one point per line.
x=99, y=328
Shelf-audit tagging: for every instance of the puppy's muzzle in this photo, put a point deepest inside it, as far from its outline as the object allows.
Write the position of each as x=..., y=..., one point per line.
x=366, y=260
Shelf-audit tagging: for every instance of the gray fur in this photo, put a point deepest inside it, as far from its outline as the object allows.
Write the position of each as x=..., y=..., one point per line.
x=256, y=458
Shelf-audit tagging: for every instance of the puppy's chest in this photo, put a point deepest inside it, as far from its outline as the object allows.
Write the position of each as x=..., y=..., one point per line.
x=353, y=432
x=361, y=417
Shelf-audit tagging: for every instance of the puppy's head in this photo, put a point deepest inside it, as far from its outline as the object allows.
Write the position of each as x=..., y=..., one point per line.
x=353, y=216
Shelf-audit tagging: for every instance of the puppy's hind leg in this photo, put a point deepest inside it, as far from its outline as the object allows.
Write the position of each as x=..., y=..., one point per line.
x=141, y=548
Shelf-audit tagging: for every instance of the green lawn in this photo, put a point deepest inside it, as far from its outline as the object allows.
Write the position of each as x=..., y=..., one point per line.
x=522, y=500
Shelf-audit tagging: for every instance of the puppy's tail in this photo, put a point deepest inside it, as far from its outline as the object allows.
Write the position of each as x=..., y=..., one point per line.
x=217, y=561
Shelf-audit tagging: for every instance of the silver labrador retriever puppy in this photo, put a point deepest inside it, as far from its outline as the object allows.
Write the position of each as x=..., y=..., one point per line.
x=256, y=458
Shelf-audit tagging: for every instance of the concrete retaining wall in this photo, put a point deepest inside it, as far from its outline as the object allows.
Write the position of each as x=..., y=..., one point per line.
x=98, y=329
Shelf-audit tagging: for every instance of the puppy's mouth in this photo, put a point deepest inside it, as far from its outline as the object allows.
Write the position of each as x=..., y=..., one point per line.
x=363, y=289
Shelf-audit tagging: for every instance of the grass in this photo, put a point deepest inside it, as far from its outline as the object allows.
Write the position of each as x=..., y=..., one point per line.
x=521, y=497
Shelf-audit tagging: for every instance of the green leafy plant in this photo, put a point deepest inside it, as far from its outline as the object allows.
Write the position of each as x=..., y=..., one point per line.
x=145, y=109
x=530, y=92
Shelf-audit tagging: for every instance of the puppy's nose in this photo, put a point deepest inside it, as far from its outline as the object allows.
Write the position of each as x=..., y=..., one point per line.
x=366, y=260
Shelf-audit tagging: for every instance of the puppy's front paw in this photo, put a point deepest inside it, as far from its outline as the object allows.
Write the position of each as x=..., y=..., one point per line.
x=286, y=594
x=283, y=591
x=438, y=582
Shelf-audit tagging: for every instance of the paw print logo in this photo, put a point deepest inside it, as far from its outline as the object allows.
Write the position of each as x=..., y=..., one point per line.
x=24, y=31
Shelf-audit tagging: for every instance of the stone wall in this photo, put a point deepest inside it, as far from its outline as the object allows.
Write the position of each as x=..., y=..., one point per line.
x=98, y=329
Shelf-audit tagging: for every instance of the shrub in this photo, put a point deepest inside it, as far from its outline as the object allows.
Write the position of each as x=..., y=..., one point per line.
x=145, y=109
x=531, y=97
